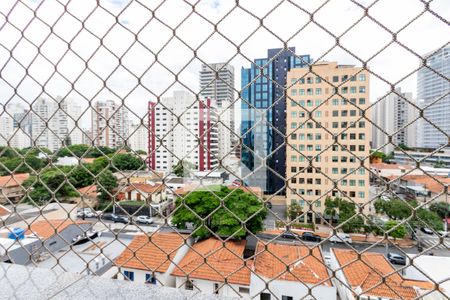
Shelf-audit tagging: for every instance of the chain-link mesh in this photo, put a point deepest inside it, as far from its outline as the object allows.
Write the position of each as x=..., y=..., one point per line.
x=161, y=142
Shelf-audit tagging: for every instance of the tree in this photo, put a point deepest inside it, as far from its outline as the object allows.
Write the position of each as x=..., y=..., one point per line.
x=428, y=218
x=181, y=167
x=398, y=232
x=127, y=162
x=99, y=164
x=106, y=184
x=141, y=152
x=346, y=211
x=244, y=205
x=439, y=164
x=35, y=151
x=374, y=155
x=294, y=210
x=7, y=152
x=21, y=165
x=395, y=209
x=442, y=209
x=100, y=151
x=79, y=176
x=78, y=150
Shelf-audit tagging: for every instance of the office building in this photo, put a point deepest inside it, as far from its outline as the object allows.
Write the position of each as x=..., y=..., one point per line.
x=192, y=139
x=217, y=83
x=327, y=135
x=109, y=124
x=392, y=114
x=433, y=89
x=263, y=118
x=54, y=123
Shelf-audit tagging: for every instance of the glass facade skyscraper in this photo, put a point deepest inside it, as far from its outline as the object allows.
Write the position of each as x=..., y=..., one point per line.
x=433, y=89
x=263, y=120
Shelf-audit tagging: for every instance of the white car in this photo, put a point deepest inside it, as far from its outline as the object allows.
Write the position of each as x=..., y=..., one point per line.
x=86, y=214
x=340, y=238
x=144, y=220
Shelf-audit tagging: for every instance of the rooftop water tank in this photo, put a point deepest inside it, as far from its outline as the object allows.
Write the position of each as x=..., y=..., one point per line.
x=17, y=234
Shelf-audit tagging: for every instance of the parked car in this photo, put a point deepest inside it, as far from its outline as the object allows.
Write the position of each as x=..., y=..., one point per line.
x=144, y=220
x=444, y=233
x=396, y=259
x=108, y=217
x=426, y=230
x=86, y=214
x=289, y=235
x=120, y=219
x=311, y=237
x=269, y=204
x=340, y=238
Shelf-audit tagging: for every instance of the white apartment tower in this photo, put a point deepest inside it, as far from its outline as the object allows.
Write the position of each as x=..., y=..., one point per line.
x=15, y=126
x=109, y=124
x=138, y=137
x=217, y=83
x=433, y=89
x=193, y=138
x=53, y=123
x=392, y=114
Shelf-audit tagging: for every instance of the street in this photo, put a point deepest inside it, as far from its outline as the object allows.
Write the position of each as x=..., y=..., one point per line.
x=276, y=210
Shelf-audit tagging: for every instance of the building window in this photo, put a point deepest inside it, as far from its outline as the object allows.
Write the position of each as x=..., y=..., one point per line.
x=361, y=183
x=149, y=278
x=189, y=285
x=335, y=102
x=344, y=90
x=286, y=298
x=128, y=275
x=361, y=195
x=244, y=290
x=335, y=78
x=352, y=182
x=335, y=171
x=362, y=101
x=318, y=80
x=301, y=91
x=362, y=77
x=265, y=296
x=318, y=91
x=353, y=90
x=362, y=89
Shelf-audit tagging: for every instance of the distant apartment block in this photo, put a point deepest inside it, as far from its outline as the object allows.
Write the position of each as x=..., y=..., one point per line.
x=109, y=124
x=192, y=139
x=426, y=158
x=325, y=127
x=54, y=123
x=15, y=126
x=392, y=114
x=138, y=137
x=433, y=89
x=263, y=118
x=217, y=83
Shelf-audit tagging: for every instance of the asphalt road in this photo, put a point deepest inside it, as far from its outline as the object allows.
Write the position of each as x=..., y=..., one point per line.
x=276, y=211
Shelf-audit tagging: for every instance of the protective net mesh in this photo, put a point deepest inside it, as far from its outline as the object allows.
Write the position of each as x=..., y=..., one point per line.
x=189, y=144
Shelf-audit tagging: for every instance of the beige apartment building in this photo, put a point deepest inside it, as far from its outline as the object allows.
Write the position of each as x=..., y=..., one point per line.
x=325, y=125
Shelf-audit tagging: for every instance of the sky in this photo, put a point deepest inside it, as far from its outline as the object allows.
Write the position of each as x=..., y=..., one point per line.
x=130, y=51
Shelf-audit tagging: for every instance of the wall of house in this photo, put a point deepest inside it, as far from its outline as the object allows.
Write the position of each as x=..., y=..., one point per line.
x=294, y=289
x=65, y=237
x=207, y=287
x=139, y=276
x=345, y=291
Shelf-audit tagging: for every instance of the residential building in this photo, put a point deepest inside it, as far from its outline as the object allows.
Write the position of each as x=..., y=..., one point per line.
x=15, y=126
x=422, y=187
x=109, y=124
x=425, y=157
x=152, y=259
x=54, y=123
x=153, y=194
x=181, y=128
x=327, y=135
x=138, y=137
x=263, y=118
x=217, y=83
x=11, y=189
x=371, y=276
x=433, y=89
x=210, y=264
x=283, y=266
x=392, y=114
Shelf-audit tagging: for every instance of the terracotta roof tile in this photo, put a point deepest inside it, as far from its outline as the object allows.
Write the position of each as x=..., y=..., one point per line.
x=381, y=166
x=88, y=191
x=151, y=254
x=4, y=211
x=434, y=184
x=221, y=262
x=271, y=263
x=13, y=180
x=143, y=187
x=46, y=228
x=367, y=274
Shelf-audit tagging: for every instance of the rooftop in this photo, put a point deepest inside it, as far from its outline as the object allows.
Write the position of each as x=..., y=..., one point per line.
x=434, y=184
x=88, y=191
x=4, y=211
x=47, y=228
x=143, y=254
x=212, y=260
x=303, y=266
x=13, y=180
x=380, y=166
x=368, y=272
x=144, y=187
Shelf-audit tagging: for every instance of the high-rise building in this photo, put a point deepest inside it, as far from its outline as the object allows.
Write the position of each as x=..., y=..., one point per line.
x=109, y=124
x=217, y=84
x=392, y=114
x=263, y=118
x=192, y=139
x=54, y=123
x=138, y=137
x=15, y=126
x=327, y=135
x=433, y=89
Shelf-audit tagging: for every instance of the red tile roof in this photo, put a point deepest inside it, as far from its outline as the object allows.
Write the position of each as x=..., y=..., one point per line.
x=304, y=266
x=211, y=260
x=13, y=180
x=381, y=166
x=434, y=184
x=151, y=252
x=4, y=211
x=47, y=228
x=88, y=191
x=366, y=273
x=144, y=187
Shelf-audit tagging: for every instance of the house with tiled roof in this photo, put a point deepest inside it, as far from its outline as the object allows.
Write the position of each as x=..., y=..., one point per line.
x=290, y=270
x=363, y=277
x=423, y=186
x=11, y=189
x=152, y=258
x=210, y=263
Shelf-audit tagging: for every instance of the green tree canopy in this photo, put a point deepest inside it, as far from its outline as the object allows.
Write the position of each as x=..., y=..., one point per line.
x=294, y=210
x=346, y=211
x=221, y=222
x=181, y=167
x=21, y=165
x=127, y=162
x=77, y=150
x=442, y=209
x=396, y=209
x=106, y=184
x=399, y=232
